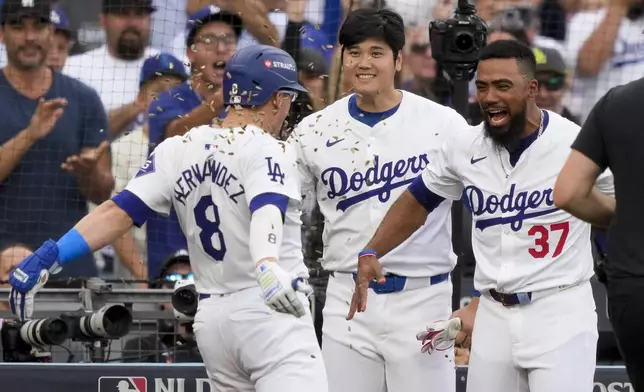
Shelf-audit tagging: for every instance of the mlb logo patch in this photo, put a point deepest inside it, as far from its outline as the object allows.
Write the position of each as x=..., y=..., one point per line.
x=268, y=64
x=147, y=168
x=122, y=384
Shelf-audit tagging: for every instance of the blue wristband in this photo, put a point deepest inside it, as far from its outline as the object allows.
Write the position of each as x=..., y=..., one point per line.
x=476, y=293
x=72, y=246
x=368, y=252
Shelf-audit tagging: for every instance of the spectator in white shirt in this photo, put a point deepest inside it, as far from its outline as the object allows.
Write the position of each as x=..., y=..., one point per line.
x=606, y=48
x=113, y=69
x=159, y=73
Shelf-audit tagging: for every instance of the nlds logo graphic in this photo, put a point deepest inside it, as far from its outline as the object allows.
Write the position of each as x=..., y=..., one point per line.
x=613, y=387
x=122, y=384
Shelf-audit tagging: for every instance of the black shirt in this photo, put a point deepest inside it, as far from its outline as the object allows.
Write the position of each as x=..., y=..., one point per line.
x=613, y=137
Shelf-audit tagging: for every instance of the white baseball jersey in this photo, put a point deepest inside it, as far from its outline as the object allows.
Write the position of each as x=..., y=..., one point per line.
x=210, y=176
x=625, y=65
x=356, y=172
x=521, y=241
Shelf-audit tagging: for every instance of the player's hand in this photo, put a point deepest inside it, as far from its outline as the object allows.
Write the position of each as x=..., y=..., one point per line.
x=440, y=336
x=369, y=269
x=45, y=117
x=22, y=304
x=279, y=289
x=29, y=276
x=467, y=315
x=84, y=163
x=461, y=356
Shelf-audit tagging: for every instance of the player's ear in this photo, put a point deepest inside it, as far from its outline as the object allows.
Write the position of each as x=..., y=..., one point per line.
x=398, y=62
x=533, y=88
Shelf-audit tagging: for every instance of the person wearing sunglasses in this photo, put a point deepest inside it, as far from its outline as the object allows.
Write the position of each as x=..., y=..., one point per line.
x=172, y=342
x=553, y=82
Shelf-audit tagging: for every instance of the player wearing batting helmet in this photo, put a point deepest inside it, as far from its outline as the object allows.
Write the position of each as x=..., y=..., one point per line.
x=234, y=187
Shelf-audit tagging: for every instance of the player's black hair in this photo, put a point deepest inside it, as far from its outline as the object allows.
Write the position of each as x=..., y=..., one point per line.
x=365, y=23
x=511, y=49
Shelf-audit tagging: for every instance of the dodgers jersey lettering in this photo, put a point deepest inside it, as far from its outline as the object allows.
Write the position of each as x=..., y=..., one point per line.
x=210, y=176
x=521, y=241
x=356, y=172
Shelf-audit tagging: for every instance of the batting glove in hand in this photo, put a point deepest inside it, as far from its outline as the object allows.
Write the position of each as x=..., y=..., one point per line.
x=22, y=304
x=279, y=289
x=439, y=336
x=30, y=276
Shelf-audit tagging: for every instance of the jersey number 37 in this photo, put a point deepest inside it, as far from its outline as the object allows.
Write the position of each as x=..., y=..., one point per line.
x=542, y=236
x=207, y=220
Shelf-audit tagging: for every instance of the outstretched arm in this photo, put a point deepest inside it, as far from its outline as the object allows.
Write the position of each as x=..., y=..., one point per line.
x=104, y=225
x=408, y=213
x=402, y=220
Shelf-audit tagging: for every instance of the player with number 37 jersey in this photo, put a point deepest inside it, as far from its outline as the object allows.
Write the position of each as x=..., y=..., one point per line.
x=534, y=322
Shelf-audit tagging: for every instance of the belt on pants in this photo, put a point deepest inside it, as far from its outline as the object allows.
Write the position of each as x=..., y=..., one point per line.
x=397, y=283
x=515, y=299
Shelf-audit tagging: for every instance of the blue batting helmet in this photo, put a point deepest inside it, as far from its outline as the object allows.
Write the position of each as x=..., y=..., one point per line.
x=257, y=72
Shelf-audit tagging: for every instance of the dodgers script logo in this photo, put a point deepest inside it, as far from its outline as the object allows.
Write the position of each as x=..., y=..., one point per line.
x=519, y=203
x=390, y=175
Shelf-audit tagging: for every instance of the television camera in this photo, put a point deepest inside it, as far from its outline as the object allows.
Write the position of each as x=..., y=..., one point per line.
x=456, y=42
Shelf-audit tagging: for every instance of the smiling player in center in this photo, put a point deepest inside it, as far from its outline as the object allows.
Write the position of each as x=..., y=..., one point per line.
x=536, y=324
x=356, y=157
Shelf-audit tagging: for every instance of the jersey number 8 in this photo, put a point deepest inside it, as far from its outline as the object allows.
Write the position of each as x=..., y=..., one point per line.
x=209, y=228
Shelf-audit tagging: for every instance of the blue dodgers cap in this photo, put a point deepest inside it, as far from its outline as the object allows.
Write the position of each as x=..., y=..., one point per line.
x=256, y=72
x=208, y=14
x=163, y=64
x=59, y=20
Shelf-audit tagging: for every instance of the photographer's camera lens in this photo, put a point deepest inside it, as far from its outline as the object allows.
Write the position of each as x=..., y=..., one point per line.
x=49, y=331
x=464, y=42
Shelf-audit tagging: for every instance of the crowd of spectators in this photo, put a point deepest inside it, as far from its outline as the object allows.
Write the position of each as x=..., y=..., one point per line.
x=134, y=72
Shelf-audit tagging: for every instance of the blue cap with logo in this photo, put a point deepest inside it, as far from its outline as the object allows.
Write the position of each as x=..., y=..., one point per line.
x=208, y=14
x=163, y=64
x=59, y=20
x=256, y=72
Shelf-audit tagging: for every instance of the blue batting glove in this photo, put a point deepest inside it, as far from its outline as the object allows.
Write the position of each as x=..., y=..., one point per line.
x=28, y=273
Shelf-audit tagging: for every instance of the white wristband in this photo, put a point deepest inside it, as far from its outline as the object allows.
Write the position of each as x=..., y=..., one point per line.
x=265, y=233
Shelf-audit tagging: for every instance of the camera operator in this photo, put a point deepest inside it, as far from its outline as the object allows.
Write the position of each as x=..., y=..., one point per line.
x=173, y=341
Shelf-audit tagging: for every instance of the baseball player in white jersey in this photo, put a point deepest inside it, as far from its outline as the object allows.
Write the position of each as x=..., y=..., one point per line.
x=356, y=157
x=235, y=190
x=536, y=325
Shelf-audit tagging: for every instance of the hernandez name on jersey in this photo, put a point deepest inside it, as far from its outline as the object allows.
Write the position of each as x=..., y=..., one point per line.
x=356, y=172
x=210, y=176
x=521, y=241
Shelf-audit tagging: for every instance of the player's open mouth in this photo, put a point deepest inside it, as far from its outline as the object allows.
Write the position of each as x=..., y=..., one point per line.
x=366, y=77
x=498, y=117
x=219, y=65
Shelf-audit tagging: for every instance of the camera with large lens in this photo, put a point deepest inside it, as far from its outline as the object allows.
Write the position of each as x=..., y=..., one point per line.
x=109, y=322
x=456, y=42
x=25, y=341
x=185, y=300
